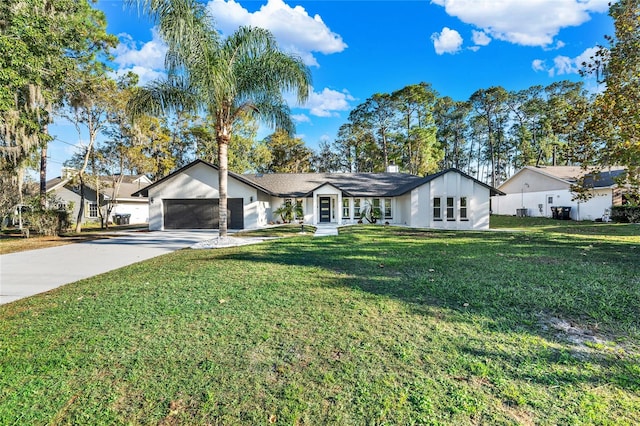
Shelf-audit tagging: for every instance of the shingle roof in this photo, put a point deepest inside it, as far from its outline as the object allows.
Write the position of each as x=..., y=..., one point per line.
x=567, y=173
x=297, y=185
x=603, y=179
x=129, y=185
x=55, y=182
x=352, y=184
x=571, y=174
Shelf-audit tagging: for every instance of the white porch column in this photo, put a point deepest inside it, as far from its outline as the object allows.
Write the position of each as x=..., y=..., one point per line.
x=315, y=208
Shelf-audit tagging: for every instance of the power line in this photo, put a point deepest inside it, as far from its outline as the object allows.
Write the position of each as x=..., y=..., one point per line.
x=55, y=161
x=57, y=139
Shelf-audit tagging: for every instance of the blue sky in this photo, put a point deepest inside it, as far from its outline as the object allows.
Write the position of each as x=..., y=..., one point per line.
x=357, y=48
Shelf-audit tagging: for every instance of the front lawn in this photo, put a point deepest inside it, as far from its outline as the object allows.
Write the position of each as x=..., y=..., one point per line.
x=12, y=240
x=380, y=325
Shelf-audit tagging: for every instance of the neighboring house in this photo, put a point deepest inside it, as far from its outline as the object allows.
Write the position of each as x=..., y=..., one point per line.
x=68, y=191
x=188, y=198
x=535, y=191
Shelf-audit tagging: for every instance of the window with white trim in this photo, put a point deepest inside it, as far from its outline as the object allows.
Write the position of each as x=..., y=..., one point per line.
x=387, y=209
x=346, y=208
x=437, y=208
x=451, y=211
x=92, y=210
x=299, y=210
x=462, y=214
x=356, y=208
x=376, y=208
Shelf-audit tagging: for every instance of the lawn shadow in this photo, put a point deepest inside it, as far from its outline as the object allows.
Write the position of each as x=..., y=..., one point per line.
x=515, y=281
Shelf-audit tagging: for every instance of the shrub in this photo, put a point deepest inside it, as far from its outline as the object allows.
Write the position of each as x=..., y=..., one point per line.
x=627, y=214
x=48, y=221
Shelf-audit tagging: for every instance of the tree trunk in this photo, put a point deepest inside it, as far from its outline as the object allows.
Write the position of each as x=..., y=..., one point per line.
x=223, y=172
x=43, y=174
x=82, y=202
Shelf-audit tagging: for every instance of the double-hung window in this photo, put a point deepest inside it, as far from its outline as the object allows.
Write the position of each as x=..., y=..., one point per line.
x=451, y=211
x=387, y=209
x=376, y=208
x=299, y=210
x=463, y=209
x=346, y=208
x=357, y=203
x=437, y=208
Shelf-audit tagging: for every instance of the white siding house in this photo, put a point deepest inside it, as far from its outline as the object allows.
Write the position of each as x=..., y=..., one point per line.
x=118, y=196
x=535, y=191
x=188, y=198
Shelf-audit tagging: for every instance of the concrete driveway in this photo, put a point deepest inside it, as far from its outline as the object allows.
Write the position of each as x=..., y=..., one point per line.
x=36, y=271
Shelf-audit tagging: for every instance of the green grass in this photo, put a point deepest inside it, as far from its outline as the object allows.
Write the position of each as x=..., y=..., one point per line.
x=380, y=325
x=288, y=230
x=543, y=224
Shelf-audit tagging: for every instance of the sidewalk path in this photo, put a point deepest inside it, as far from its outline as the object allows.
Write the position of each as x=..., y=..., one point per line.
x=326, y=230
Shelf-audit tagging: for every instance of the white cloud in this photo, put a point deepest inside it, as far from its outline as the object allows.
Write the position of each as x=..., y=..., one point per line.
x=300, y=118
x=146, y=60
x=296, y=31
x=328, y=102
x=563, y=65
x=480, y=38
x=524, y=22
x=538, y=65
x=145, y=75
x=150, y=54
x=446, y=41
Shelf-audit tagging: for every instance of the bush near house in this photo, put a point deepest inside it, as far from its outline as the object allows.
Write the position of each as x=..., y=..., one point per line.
x=48, y=222
x=625, y=214
x=52, y=220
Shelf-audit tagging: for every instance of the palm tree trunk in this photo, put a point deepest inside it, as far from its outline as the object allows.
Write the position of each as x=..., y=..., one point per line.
x=223, y=172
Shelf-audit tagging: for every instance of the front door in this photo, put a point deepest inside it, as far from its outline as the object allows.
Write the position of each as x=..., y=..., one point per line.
x=325, y=209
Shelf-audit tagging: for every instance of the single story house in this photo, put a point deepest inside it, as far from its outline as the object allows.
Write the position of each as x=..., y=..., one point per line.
x=188, y=198
x=535, y=191
x=136, y=208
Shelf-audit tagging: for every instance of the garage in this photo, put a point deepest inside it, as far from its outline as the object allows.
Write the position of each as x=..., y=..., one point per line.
x=201, y=213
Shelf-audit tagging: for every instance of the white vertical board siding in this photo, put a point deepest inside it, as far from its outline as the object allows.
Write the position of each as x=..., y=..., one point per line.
x=531, y=201
x=455, y=185
x=402, y=209
x=200, y=181
x=421, y=214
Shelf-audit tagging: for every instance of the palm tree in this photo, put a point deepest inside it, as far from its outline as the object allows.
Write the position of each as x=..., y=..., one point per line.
x=244, y=75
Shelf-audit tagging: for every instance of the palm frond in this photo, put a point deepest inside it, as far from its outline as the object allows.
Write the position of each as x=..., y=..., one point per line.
x=161, y=96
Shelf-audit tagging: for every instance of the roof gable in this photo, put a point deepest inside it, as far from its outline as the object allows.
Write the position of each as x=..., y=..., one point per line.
x=565, y=176
x=145, y=191
x=429, y=178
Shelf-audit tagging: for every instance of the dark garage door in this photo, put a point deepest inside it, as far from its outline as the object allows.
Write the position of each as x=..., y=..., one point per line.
x=201, y=214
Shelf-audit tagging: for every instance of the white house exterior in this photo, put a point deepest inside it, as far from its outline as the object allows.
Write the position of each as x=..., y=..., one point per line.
x=188, y=199
x=535, y=191
x=67, y=190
